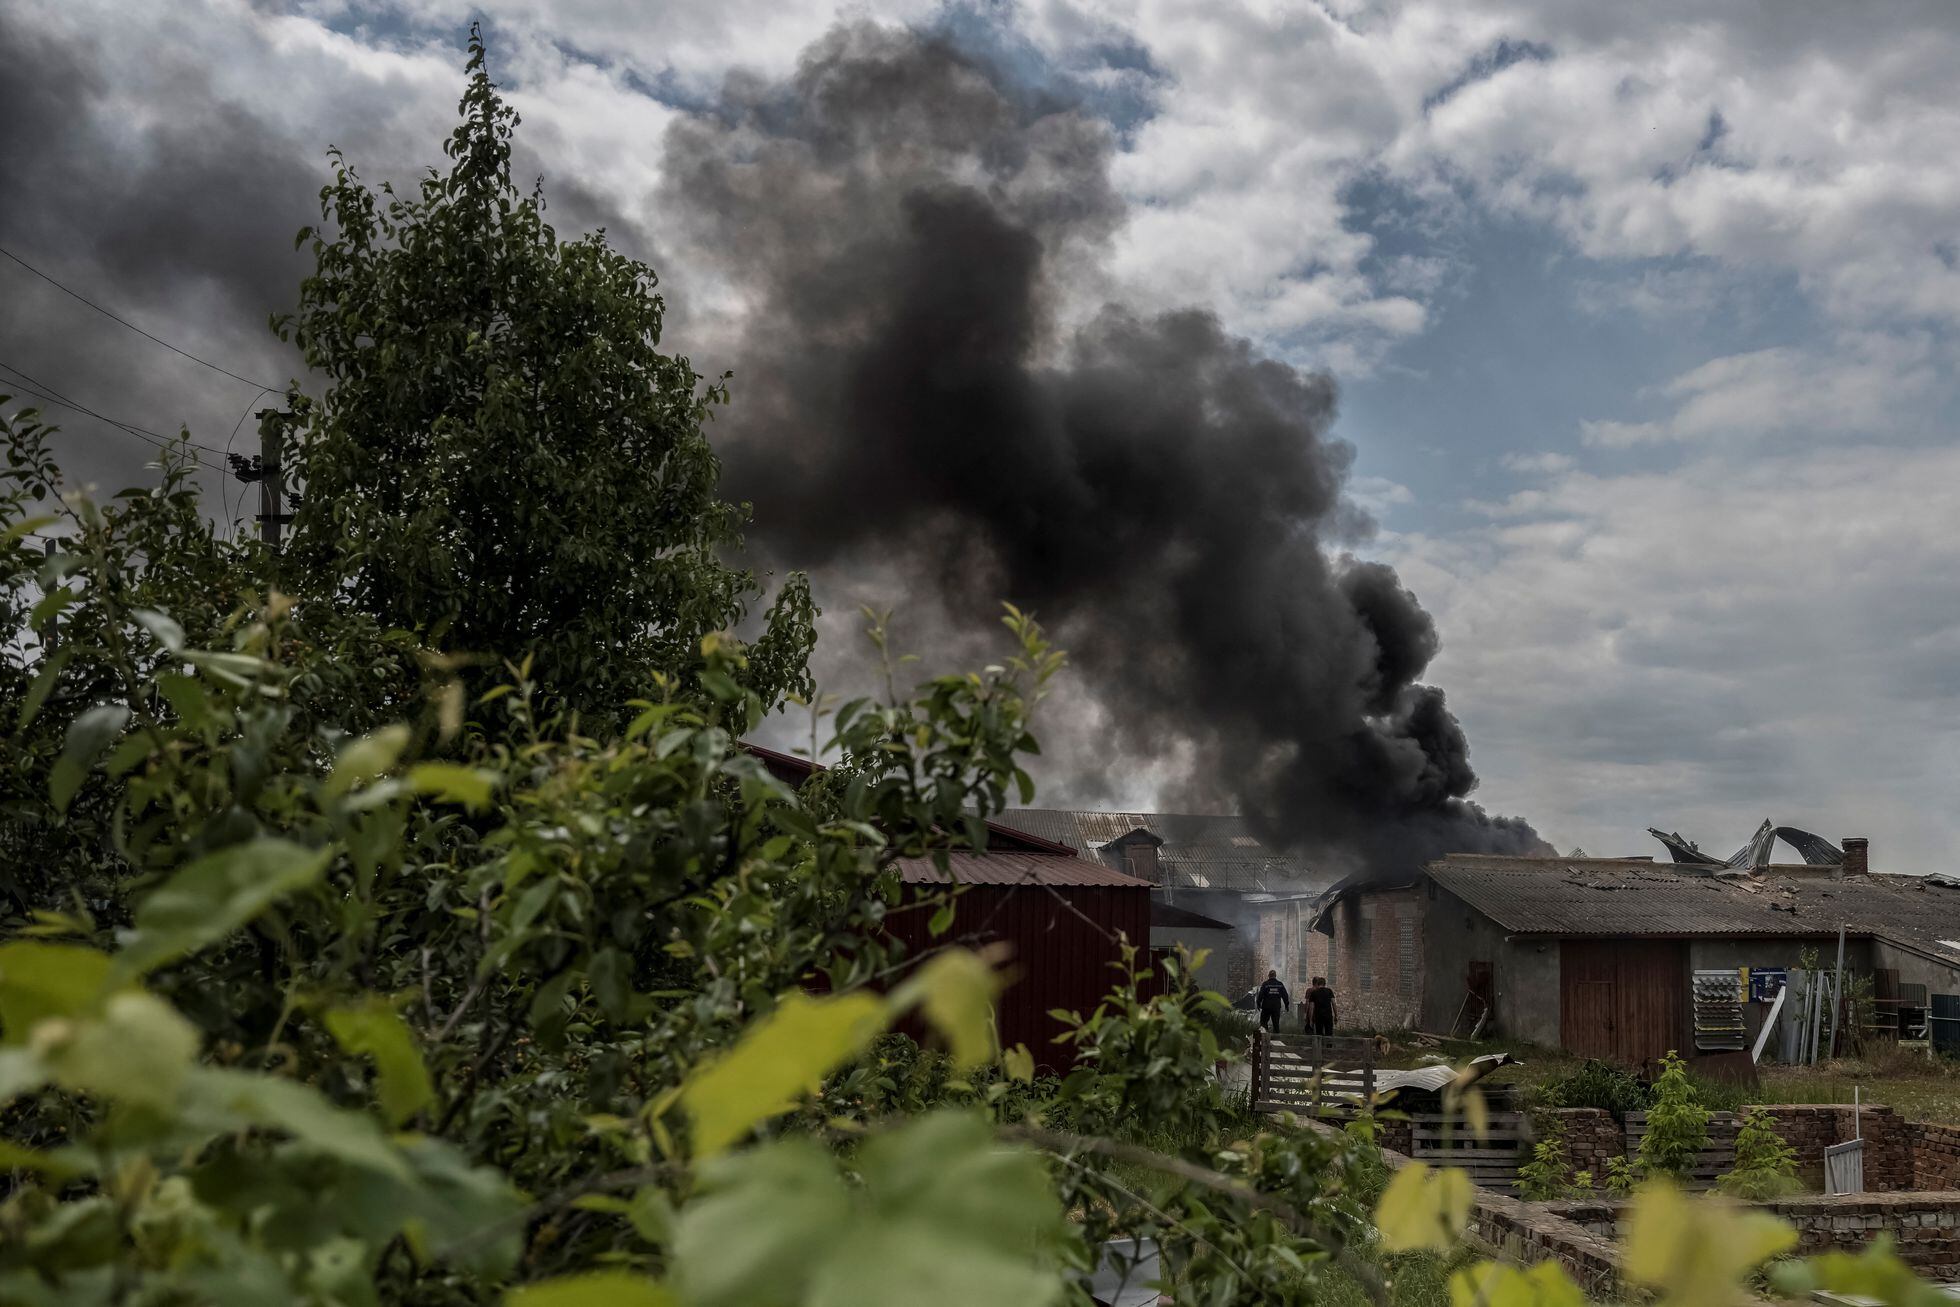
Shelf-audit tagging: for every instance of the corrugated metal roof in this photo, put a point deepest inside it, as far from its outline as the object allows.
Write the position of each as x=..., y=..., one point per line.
x=1604, y=896
x=1199, y=850
x=970, y=868
x=1170, y=916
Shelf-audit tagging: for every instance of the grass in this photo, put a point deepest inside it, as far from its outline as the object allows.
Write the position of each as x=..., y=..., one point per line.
x=1914, y=1086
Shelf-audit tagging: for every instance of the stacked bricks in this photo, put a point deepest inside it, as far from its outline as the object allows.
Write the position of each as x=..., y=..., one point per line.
x=1592, y=1138
x=1924, y=1226
x=1396, y=1134
x=1935, y=1155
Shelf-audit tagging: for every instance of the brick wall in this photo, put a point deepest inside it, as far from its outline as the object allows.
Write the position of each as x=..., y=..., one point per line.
x=1592, y=1137
x=1935, y=1154
x=1925, y=1227
x=1890, y=1142
x=1899, y=1155
x=1373, y=929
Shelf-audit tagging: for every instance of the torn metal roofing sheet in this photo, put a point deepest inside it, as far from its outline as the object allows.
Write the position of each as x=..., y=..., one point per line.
x=1815, y=850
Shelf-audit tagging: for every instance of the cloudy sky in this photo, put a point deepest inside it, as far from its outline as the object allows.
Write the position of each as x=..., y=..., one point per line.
x=1642, y=316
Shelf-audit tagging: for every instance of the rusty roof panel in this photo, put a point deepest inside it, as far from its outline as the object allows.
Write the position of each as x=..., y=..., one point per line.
x=967, y=868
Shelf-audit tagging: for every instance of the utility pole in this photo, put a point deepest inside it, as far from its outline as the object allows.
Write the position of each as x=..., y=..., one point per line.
x=268, y=469
x=272, y=480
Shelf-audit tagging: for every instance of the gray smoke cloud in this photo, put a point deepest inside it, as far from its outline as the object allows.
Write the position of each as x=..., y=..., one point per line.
x=897, y=222
x=904, y=237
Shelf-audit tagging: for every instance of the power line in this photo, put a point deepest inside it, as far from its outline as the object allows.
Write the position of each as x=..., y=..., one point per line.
x=42, y=391
x=127, y=323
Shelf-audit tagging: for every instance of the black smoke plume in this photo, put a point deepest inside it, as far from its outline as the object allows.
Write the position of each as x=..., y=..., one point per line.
x=896, y=225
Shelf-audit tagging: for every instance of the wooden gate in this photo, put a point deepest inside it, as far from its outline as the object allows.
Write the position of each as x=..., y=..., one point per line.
x=1623, y=999
x=1299, y=1073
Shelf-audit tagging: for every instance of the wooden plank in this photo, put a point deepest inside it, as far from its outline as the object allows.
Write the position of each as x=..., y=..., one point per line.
x=1465, y=1156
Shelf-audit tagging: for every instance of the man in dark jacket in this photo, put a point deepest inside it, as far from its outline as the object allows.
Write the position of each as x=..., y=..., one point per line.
x=1272, y=999
x=1318, y=1008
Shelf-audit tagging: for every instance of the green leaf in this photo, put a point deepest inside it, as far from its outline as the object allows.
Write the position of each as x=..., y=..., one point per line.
x=61, y=1164
x=1494, y=1284
x=188, y=698
x=88, y=735
x=162, y=629
x=942, y=921
x=37, y=693
x=51, y=605
x=791, y=1208
x=27, y=525
x=40, y=980
x=593, y=1289
x=952, y=1218
x=472, y=787
x=222, y=1100
x=373, y=1029
x=215, y=895
x=781, y=1057
x=362, y=760
x=1018, y=1062
x=138, y=1051
x=1696, y=1251
x=957, y=989
x=1424, y=1209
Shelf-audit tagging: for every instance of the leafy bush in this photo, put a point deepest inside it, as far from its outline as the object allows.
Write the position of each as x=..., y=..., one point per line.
x=1677, y=1123
x=1600, y=1085
x=1765, y=1166
x=1546, y=1175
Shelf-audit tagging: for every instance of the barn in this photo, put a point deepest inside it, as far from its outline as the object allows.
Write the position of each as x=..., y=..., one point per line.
x=1626, y=959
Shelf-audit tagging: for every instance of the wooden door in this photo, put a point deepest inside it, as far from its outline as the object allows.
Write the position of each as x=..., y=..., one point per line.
x=1589, y=985
x=1623, y=999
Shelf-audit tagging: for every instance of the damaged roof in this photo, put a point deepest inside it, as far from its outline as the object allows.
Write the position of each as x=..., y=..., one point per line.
x=1004, y=868
x=1199, y=851
x=1624, y=896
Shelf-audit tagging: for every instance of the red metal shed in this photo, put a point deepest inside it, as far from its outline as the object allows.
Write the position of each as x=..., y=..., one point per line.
x=1062, y=919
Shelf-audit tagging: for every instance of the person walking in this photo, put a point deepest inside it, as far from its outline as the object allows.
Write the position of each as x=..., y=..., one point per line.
x=1317, y=1009
x=1272, y=999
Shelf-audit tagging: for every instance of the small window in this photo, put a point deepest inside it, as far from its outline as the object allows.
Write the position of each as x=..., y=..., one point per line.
x=1364, y=953
x=1406, y=962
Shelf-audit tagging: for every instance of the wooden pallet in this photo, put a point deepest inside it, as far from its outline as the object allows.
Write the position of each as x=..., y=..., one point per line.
x=1492, y=1160
x=1712, y=1162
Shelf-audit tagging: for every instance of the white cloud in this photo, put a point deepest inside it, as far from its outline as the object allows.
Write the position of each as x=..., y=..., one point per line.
x=1865, y=383
x=1729, y=640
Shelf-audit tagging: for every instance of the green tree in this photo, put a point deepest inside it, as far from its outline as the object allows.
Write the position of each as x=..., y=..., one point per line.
x=504, y=462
